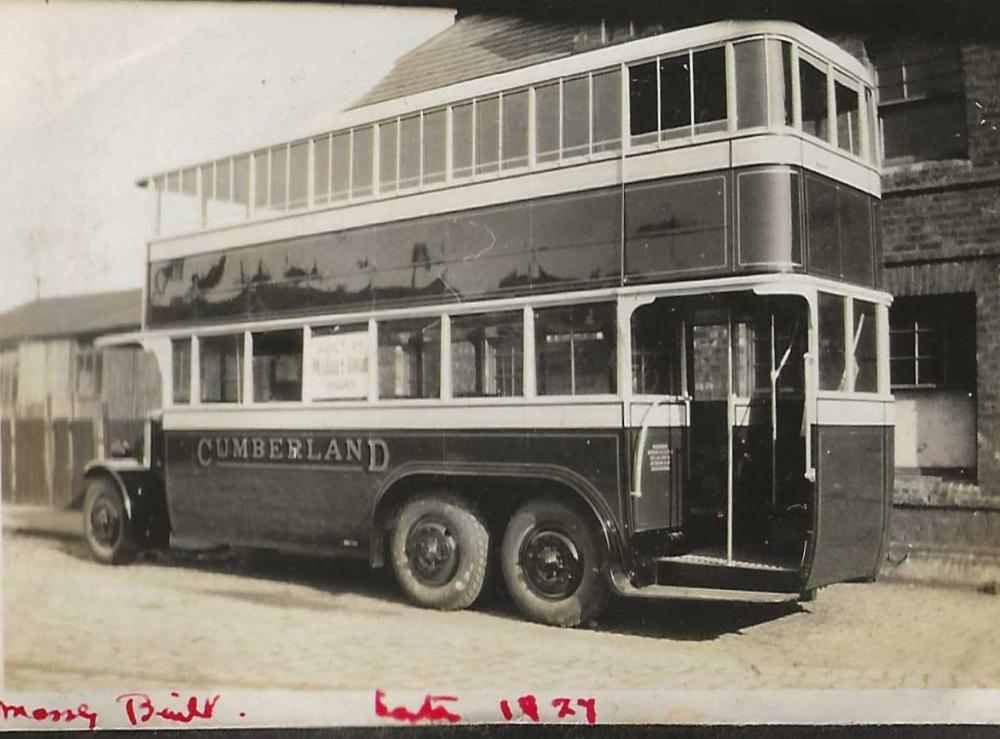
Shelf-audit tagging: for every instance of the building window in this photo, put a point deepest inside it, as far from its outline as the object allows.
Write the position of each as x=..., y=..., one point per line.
x=221, y=368
x=932, y=341
x=575, y=349
x=88, y=374
x=277, y=366
x=181, y=359
x=921, y=102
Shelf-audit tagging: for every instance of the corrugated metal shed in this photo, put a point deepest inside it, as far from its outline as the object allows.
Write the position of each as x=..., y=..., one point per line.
x=77, y=315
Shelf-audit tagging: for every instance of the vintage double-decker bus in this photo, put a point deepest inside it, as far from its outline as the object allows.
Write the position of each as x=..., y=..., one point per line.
x=610, y=323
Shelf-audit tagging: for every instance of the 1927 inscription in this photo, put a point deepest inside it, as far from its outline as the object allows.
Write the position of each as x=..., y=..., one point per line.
x=368, y=453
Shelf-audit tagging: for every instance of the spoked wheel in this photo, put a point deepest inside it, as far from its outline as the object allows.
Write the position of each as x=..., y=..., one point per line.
x=105, y=524
x=439, y=549
x=553, y=562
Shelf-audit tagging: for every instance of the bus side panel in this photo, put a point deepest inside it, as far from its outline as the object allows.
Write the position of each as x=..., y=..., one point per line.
x=250, y=488
x=851, y=502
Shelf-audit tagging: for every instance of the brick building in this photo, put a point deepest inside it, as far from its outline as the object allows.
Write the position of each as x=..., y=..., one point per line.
x=939, y=101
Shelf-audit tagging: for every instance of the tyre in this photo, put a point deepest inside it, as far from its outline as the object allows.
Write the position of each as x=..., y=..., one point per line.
x=439, y=548
x=553, y=563
x=106, y=525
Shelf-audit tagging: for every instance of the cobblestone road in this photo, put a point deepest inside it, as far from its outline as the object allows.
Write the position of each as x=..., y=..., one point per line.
x=195, y=621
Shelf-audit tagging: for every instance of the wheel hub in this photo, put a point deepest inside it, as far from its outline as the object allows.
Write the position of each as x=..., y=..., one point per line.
x=432, y=552
x=105, y=523
x=552, y=564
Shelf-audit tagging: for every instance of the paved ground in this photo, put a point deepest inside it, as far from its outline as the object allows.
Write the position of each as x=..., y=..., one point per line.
x=194, y=621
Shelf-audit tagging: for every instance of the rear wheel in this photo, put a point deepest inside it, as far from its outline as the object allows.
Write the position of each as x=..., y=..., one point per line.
x=440, y=547
x=553, y=564
x=106, y=525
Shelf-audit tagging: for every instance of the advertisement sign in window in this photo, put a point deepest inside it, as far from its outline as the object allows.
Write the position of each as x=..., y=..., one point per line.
x=337, y=362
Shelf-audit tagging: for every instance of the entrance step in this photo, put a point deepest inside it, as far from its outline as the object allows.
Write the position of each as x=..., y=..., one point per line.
x=706, y=571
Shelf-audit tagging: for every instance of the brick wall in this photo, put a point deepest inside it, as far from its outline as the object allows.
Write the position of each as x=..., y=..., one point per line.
x=941, y=234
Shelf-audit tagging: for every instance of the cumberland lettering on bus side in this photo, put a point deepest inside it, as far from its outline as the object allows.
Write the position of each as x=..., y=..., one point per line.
x=370, y=452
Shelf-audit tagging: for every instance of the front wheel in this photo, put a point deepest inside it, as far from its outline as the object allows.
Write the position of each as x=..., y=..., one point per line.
x=553, y=564
x=440, y=547
x=106, y=525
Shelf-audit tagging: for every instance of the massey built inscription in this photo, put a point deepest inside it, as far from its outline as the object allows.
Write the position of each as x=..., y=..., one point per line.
x=359, y=453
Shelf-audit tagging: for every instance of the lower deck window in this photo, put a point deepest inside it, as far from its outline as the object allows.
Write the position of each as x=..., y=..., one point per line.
x=487, y=354
x=575, y=349
x=277, y=366
x=409, y=358
x=221, y=368
x=181, y=353
x=831, y=342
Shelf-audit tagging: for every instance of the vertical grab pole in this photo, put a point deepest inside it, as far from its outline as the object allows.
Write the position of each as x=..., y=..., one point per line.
x=730, y=420
x=774, y=417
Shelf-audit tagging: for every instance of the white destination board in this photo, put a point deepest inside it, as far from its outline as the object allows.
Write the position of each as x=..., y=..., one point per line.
x=337, y=366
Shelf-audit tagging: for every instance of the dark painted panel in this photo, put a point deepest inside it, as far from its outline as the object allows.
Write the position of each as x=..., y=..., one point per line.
x=314, y=489
x=851, y=502
x=661, y=505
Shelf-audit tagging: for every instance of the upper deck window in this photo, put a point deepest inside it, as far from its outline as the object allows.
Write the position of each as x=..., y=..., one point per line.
x=576, y=117
x=515, y=129
x=461, y=140
x=340, y=163
x=321, y=170
x=606, y=111
x=435, y=146
x=815, y=101
x=298, y=175
x=409, y=151
x=361, y=161
x=847, y=99
x=678, y=96
x=388, y=141
x=547, y=116
x=487, y=135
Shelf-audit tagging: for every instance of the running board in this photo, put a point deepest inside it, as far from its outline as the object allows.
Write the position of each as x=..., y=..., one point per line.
x=695, y=571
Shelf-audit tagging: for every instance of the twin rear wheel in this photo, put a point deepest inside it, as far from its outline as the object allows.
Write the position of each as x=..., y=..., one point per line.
x=551, y=558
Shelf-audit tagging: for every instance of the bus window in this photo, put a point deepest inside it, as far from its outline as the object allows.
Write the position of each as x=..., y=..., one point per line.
x=361, y=162
x=575, y=349
x=435, y=145
x=409, y=151
x=606, y=111
x=277, y=366
x=409, y=358
x=848, y=102
x=751, y=83
x=769, y=217
x=279, y=178
x=321, y=170
x=340, y=158
x=831, y=342
x=576, y=117
x=710, y=113
x=675, y=96
x=547, y=122
x=515, y=129
x=643, y=117
x=181, y=354
x=487, y=135
x=487, y=354
x=779, y=82
x=865, y=346
x=656, y=366
x=461, y=140
x=221, y=368
x=815, y=106
x=241, y=184
x=298, y=175
x=388, y=138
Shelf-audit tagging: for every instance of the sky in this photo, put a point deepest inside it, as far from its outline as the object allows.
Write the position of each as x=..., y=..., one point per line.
x=95, y=95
